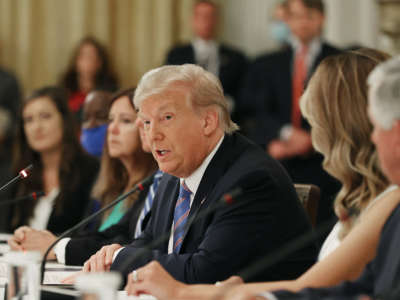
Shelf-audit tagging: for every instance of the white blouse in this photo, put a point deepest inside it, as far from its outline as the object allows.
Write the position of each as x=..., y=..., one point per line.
x=42, y=211
x=333, y=241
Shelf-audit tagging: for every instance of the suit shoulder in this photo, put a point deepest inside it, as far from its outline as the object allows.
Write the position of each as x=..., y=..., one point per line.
x=180, y=54
x=228, y=49
x=247, y=153
x=271, y=60
x=329, y=49
x=179, y=49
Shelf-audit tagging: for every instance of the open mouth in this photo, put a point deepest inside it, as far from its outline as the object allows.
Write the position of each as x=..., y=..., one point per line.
x=162, y=153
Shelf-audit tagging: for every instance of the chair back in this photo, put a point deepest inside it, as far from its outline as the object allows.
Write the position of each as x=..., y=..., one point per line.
x=309, y=195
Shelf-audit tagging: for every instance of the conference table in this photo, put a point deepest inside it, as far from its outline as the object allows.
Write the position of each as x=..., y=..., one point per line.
x=53, y=276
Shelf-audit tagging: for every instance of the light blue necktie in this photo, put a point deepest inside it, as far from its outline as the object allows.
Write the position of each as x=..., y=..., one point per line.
x=148, y=202
x=182, y=209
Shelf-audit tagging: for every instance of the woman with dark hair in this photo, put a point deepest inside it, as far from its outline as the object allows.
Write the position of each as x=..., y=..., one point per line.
x=124, y=163
x=125, y=160
x=46, y=138
x=88, y=69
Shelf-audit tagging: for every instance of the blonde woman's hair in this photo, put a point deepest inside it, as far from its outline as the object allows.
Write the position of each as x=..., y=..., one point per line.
x=335, y=104
x=205, y=89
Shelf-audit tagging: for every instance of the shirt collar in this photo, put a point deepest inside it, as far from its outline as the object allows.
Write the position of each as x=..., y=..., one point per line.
x=314, y=48
x=193, y=181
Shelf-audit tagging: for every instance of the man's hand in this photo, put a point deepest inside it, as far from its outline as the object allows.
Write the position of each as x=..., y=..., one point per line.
x=71, y=278
x=153, y=279
x=298, y=144
x=102, y=260
x=278, y=149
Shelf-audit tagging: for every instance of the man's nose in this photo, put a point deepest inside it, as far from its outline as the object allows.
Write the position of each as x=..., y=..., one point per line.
x=154, y=132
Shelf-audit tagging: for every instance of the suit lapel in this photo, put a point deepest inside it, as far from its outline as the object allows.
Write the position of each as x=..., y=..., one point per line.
x=166, y=209
x=213, y=173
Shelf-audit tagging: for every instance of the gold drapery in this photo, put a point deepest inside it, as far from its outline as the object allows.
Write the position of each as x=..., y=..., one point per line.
x=37, y=37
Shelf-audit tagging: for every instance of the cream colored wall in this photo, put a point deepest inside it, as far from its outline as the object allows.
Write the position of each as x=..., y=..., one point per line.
x=37, y=36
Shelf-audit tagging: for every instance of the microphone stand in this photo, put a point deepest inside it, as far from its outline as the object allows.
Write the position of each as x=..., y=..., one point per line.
x=31, y=196
x=139, y=186
x=21, y=175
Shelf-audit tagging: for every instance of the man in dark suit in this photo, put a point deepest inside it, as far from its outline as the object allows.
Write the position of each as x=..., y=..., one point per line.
x=381, y=277
x=223, y=61
x=271, y=94
x=193, y=139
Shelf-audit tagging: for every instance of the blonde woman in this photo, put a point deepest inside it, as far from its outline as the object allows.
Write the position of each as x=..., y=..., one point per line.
x=335, y=104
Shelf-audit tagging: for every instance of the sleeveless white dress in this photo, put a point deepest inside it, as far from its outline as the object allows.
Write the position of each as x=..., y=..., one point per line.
x=333, y=241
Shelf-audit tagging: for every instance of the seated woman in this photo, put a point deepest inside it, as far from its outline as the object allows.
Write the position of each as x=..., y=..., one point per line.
x=46, y=138
x=335, y=104
x=124, y=164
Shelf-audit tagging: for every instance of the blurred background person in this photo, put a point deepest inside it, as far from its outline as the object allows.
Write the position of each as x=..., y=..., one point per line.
x=88, y=69
x=95, y=121
x=125, y=162
x=10, y=97
x=46, y=138
x=278, y=27
x=270, y=100
x=226, y=63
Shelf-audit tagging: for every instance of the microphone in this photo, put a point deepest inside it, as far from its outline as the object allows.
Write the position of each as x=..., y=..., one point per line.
x=32, y=196
x=21, y=175
x=140, y=186
x=226, y=199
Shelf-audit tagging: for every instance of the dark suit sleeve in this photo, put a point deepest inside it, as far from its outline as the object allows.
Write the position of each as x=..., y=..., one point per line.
x=81, y=247
x=233, y=235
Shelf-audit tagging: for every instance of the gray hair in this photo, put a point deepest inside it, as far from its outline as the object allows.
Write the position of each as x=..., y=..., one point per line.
x=205, y=89
x=384, y=93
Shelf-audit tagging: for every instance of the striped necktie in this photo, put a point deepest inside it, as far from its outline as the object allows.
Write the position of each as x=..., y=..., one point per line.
x=182, y=209
x=148, y=202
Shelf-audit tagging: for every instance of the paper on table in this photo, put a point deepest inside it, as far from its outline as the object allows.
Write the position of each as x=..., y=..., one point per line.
x=5, y=236
x=123, y=296
x=55, y=272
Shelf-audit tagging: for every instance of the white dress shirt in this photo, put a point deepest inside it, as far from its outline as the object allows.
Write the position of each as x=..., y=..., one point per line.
x=193, y=182
x=43, y=209
x=333, y=241
x=206, y=55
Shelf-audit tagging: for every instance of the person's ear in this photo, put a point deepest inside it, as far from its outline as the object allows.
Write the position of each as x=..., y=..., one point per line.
x=211, y=121
x=396, y=136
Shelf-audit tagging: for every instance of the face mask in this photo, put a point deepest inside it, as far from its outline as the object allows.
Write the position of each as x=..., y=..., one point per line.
x=279, y=31
x=92, y=139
